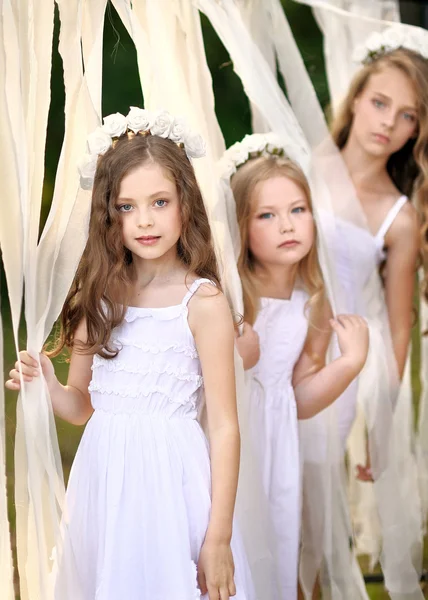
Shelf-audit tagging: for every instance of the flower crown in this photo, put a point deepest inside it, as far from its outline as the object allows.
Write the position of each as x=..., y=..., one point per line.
x=138, y=121
x=379, y=44
x=256, y=145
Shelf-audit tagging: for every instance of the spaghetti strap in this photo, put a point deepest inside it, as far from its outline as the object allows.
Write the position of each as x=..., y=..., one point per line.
x=390, y=217
x=194, y=288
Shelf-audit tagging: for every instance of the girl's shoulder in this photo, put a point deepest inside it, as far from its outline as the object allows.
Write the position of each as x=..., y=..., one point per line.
x=204, y=292
x=207, y=303
x=406, y=223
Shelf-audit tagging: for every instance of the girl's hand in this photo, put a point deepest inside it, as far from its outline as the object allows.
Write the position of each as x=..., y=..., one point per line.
x=353, y=337
x=216, y=570
x=248, y=346
x=30, y=369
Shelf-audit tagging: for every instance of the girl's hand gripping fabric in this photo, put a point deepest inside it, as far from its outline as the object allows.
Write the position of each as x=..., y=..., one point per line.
x=248, y=346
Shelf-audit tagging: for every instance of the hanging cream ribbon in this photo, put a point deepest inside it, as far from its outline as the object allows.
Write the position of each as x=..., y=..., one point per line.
x=48, y=265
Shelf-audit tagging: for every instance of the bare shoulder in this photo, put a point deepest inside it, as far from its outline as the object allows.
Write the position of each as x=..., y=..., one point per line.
x=209, y=308
x=406, y=223
x=208, y=299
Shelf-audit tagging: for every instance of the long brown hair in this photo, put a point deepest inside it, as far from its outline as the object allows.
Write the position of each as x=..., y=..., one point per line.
x=408, y=167
x=243, y=184
x=101, y=287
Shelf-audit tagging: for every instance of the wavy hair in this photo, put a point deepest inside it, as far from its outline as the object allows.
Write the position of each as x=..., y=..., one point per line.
x=243, y=184
x=408, y=167
x=103, y=281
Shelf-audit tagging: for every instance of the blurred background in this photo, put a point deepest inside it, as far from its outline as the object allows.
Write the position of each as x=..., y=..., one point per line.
x=233, y=113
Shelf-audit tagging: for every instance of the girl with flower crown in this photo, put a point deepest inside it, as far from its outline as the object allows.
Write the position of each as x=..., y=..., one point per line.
x=149, y=506
x=382, y=132
x=287, y=331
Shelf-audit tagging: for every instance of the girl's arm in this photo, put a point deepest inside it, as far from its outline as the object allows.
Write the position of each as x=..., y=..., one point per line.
x=317, y=385
x=403, y=247
x=211, y=323
x=70, y=402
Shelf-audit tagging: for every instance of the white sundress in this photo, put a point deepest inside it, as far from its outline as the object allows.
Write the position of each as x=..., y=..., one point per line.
x=282, y=327
x=138, y=499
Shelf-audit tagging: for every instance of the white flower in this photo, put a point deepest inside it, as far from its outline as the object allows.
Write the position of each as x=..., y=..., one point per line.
x=412, y=44
x=99, y=142
x=139, y=119
x=179, y=130
x=162, y=124
x=194, y=145
x=392, y=38
x=255, y=142
x=272, y=139
x=375, y=42
x=424, y=50
x=226, y=168
x=360, y=54
x=87, y=168
x=420, y=38
x=115, y=125
x=237, y=153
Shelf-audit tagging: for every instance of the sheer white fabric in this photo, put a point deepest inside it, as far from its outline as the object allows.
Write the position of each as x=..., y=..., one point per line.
x=9, y=244
x=340, y=39
x=48, y=265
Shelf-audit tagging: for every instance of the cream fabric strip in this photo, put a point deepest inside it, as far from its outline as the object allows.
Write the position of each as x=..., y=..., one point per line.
x=10, y=236
x=48, y=265
x=6, y=564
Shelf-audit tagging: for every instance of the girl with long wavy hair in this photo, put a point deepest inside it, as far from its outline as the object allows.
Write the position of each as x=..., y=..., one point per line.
x=286, y=333
x=382, y=132
x=149, y=508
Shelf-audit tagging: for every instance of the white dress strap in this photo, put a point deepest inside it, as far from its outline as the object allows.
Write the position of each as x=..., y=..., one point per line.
x=390, y=217
x=194, y=288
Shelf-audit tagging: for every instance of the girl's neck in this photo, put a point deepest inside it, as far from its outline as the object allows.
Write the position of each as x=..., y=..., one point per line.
x=365, y=169
x=167, y=268
x=276, y=281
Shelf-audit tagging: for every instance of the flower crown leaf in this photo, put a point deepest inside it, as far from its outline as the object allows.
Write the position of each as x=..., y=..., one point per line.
x=138, y=120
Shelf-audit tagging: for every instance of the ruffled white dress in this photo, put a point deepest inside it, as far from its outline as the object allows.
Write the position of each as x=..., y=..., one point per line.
x=282, y=327
x=138, y=499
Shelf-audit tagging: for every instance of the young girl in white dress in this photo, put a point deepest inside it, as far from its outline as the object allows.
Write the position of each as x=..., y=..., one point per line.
x=149, y=506
x=288, y=323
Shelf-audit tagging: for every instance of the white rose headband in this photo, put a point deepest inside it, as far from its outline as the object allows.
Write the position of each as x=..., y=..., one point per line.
x=379, y=44
x=260, y=144
x=138, y=121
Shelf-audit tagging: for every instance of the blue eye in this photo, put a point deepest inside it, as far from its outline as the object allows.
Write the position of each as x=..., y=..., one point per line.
x=161, y=203
x=409, y=117
x=378, y=103
x=298, y=209
x=265, y=216
x=124, y=208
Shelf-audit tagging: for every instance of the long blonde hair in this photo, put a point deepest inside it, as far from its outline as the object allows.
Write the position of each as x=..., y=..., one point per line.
x=243, y=183
x=408, y=167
